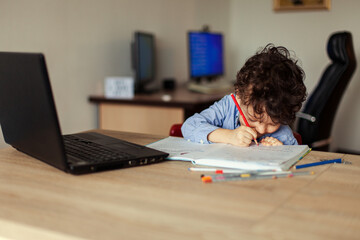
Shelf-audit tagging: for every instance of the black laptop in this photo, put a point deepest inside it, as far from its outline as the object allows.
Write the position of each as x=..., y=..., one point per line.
x=30, y=124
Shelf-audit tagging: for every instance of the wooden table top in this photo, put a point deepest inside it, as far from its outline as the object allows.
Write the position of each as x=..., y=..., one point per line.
x=180, y=97
x=166, y=201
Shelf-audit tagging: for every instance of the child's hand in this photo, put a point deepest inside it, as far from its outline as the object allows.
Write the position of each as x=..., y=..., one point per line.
x=270, y=141
x=242, y=136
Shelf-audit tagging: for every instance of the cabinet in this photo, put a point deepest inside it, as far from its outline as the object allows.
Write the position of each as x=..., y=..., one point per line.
x=151, y=113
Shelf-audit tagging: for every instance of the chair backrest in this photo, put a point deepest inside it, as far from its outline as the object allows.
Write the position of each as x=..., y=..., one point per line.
x=324, y=100
x=175, y=130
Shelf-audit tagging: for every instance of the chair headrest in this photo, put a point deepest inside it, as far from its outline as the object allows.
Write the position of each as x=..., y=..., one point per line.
x=337, y=46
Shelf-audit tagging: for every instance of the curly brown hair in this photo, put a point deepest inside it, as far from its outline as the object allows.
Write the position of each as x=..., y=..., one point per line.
x=272, y=82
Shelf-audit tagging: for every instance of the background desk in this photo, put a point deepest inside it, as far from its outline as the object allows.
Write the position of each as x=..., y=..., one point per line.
x=166, y=201
x=149, y=113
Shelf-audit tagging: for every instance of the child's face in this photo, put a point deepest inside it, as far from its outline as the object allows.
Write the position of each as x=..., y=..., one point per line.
x=262, y=126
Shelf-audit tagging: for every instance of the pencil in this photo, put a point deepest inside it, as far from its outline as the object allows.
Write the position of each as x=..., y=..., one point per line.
x=242, y=115
x=225, y=178
x=338, y=160
x=273, y=173
x=221, y=171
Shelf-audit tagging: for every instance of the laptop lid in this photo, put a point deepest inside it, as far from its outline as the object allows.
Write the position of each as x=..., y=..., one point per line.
x=28, y=115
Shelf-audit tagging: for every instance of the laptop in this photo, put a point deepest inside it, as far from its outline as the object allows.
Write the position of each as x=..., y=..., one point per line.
x=30, y=124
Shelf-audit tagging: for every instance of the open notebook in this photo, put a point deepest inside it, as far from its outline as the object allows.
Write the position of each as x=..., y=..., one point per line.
x=278, y=158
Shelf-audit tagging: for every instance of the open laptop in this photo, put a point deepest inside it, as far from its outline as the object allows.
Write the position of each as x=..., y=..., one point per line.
x=30, y=124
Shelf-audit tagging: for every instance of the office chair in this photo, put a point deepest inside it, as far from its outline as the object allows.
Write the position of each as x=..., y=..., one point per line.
x=314, y=123
x=175, y=131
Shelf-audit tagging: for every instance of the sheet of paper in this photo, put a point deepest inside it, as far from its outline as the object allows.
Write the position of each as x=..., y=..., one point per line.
x=179, y=147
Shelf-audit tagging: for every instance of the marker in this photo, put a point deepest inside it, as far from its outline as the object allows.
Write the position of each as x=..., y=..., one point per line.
x=338, y=160
x=242, y=115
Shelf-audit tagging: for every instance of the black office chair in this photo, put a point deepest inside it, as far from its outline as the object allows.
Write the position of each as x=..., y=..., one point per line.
x=316, y=119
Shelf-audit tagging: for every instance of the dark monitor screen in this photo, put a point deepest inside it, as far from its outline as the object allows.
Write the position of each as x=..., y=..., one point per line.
x=143, y=59
x=205, y=54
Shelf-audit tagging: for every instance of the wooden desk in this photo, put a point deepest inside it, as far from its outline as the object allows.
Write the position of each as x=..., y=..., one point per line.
x=166, y=201
x=151, y=113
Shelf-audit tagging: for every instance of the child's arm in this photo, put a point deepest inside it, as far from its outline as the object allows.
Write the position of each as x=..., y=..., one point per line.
x=197, y=127
x=216, y=124
x=241, y=136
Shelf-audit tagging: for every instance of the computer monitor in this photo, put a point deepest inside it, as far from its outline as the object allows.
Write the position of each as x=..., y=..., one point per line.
x=206, y=55
x=143, y=59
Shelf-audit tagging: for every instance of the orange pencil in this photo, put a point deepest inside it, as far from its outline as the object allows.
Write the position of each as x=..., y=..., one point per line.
x=242, y=115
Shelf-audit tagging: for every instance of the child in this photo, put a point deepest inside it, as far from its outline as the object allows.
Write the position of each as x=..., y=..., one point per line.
x=269, y=89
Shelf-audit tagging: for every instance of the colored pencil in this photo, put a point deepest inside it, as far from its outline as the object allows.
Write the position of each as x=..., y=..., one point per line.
x=338, y=160
x=221, y=171
x=242, y=115
x=243, y=177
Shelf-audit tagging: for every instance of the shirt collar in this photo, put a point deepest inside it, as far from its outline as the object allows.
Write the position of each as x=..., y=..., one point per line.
x=237, y=121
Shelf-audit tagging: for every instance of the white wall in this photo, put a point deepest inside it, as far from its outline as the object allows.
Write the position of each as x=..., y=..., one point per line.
x=86, y=40
x=254, y=24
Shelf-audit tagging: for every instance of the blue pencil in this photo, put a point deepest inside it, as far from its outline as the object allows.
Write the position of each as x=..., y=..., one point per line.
x=338, y=160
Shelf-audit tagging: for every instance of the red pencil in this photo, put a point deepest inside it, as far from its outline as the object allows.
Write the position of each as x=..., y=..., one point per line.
x=242, y=115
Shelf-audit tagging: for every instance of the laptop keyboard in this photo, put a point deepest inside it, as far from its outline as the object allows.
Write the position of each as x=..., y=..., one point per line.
x=90, y=151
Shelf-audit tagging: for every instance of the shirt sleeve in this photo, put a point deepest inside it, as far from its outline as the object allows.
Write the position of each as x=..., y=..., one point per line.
x=197, y=127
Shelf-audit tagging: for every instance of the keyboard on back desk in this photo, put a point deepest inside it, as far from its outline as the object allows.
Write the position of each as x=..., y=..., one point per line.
x=90, y=151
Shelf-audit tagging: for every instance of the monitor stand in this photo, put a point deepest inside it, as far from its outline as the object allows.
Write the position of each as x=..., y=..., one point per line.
x=210, y=87
x=148, y=89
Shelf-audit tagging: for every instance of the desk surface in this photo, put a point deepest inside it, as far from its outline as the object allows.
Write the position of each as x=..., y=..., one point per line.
x=166, y=201
x=181, y=97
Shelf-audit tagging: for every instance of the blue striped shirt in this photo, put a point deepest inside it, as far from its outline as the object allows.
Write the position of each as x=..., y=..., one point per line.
x=224, y=114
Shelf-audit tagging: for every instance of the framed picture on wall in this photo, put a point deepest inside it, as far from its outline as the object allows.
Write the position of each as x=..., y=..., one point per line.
x=286, y=5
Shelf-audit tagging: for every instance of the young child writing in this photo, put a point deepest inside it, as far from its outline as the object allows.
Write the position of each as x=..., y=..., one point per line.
x=269, y=89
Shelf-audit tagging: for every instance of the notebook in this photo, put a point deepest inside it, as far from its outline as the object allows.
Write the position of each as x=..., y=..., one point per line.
x=30, y=124
x=279, y=158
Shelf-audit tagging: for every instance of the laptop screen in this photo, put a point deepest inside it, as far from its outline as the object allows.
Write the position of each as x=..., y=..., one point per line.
x=27, y=110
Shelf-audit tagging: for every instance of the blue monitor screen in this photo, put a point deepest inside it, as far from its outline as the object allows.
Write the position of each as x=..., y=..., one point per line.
x=205, y=54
